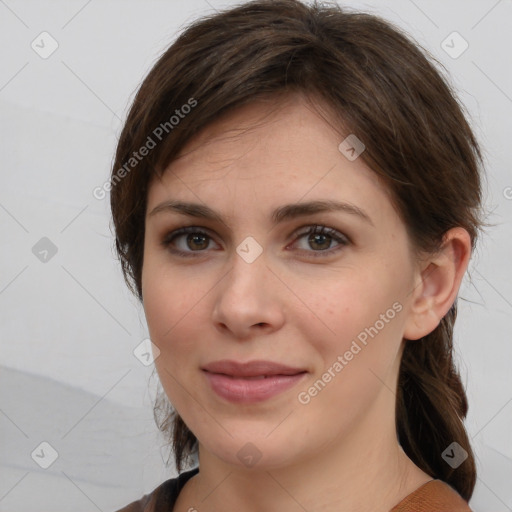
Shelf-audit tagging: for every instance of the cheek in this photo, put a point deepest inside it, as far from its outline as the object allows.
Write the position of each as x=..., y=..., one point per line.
x=169, y=303
x=354, y=308
x=357, y=358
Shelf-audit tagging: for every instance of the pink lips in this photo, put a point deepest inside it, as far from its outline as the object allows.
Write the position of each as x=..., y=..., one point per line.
x=251, y=382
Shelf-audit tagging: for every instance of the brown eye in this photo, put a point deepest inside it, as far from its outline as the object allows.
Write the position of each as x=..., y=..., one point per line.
x=320, y=239
x=197, y=241
x=187, y=241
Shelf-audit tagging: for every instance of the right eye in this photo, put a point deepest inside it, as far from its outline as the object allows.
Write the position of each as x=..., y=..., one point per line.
x=195, y=241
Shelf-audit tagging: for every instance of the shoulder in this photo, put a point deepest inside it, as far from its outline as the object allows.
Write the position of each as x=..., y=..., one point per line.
x=163, y=497
x=137, y=506
x=435, y=495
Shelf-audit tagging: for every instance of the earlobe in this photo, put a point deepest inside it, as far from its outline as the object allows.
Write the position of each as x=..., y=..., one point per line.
x=438, y=284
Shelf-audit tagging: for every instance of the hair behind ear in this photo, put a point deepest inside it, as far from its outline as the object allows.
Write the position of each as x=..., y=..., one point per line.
x=431, y=406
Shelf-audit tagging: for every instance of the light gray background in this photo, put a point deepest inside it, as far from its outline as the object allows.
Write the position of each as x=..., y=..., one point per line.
x=69, y=326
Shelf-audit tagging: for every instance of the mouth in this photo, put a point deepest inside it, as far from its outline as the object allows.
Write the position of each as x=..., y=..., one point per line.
x=251, y=390
x=256, y=369
x=254, y=377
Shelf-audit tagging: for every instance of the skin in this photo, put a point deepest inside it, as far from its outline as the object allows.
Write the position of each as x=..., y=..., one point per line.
x=339, y=452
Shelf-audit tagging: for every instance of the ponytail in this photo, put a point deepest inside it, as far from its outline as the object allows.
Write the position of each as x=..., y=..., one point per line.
x=431, y=406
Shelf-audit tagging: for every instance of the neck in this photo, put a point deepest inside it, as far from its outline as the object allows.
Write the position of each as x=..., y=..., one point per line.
x=366, y=469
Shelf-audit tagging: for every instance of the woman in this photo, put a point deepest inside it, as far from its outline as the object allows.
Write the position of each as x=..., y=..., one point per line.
x=296, y=195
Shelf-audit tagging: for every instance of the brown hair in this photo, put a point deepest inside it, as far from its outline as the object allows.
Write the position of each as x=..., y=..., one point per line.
x=380, y=86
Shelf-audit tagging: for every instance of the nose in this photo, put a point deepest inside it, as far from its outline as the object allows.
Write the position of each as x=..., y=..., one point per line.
x=248, y=299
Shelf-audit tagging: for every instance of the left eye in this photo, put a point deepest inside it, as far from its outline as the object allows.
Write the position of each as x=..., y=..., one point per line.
x=319, y=238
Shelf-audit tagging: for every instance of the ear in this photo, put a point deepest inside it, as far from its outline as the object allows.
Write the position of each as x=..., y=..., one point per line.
x=437, y=284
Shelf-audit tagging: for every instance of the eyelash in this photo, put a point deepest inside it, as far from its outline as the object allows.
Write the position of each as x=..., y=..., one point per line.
x=313, y=229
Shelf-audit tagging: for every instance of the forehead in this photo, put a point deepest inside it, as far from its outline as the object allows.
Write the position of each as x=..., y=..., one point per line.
x=275, y=151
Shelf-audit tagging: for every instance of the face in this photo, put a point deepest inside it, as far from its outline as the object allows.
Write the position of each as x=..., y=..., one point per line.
x=323, y=291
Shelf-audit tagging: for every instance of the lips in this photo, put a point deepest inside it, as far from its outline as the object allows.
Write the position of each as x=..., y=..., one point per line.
x=251, y=382
x=251, y=370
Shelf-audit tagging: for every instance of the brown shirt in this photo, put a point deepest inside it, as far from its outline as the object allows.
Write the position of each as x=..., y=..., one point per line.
x=434, y=496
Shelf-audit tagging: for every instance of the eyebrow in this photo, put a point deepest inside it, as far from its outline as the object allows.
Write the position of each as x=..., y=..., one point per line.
x=280, y=214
